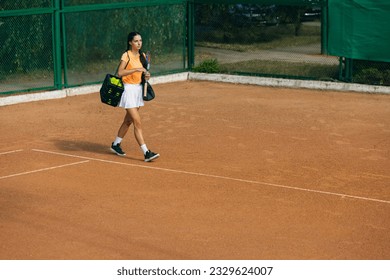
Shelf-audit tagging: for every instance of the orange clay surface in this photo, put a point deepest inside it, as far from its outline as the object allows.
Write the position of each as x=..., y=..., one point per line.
x=245, y=172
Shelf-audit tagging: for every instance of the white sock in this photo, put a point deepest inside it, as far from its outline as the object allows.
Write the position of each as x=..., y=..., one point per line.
x=144, y=148
x=117, y=141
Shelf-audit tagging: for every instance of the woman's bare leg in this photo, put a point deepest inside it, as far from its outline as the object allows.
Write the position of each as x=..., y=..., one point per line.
x=127, y=121
x=136, y=120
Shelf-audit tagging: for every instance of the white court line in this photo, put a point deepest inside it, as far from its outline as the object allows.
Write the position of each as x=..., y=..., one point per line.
x=221, y=177
x=43, y=169
x=10, y=152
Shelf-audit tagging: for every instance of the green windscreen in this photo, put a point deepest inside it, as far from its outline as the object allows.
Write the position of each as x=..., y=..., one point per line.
x=359, y=29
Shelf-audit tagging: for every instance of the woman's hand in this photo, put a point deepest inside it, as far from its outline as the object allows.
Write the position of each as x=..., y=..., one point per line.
x=147, y=75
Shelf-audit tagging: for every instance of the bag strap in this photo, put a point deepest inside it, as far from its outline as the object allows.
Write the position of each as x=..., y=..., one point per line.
x=116, y=72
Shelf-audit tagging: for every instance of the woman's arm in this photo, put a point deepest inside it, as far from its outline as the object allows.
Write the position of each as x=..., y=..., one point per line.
x=124, y=72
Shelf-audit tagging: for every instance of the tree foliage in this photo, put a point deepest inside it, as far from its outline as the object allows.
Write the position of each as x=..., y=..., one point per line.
x=26, y=43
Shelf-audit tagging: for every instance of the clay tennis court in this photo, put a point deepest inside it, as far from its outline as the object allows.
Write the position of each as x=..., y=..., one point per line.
x=246, y=172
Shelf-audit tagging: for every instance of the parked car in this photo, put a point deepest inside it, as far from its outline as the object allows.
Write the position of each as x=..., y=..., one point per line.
x=312, y=14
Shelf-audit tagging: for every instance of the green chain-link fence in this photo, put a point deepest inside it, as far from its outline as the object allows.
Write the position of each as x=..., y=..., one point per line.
x=65, y=43
x=51, y=44
x=95, y=39
x=26, y=45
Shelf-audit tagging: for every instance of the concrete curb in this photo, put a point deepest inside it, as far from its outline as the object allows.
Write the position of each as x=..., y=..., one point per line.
x=16, y=99
x=275, y=82
x=179, y=77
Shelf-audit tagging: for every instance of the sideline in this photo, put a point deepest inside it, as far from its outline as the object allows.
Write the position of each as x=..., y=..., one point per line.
x=185, y=76
x=343, y=196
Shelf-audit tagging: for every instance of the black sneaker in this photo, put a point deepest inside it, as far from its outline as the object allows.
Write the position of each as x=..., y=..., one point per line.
x=149, y=156
x=117, y=149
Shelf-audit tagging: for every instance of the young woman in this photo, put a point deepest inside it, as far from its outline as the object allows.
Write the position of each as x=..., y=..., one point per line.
x=132, y=69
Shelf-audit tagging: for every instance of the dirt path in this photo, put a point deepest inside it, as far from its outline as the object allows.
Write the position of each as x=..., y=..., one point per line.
x=307, y=54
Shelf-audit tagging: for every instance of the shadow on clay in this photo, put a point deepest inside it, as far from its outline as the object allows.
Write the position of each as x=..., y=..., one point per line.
x=85, y=146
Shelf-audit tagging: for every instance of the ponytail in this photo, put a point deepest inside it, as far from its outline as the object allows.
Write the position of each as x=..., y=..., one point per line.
x=143, y=59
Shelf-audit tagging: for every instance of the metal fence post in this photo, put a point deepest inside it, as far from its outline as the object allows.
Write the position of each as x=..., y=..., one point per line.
x=346, y=69
x=349, y=72
x=324, y=28
x=57, y=45
x=191, y=33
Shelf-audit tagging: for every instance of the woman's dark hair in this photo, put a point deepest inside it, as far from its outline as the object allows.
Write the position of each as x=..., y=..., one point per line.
x=130, y=38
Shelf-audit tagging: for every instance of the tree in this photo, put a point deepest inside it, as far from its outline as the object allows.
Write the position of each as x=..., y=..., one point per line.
x=293, y=15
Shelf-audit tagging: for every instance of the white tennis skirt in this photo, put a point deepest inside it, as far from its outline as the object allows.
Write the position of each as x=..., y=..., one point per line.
x=132, y=96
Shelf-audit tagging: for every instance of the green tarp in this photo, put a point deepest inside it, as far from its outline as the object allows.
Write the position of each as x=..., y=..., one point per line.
x=359, y=29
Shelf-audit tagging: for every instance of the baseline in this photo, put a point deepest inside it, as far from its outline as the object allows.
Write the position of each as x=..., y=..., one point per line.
x=10, y=152
x=43, y=169
x=219, y=177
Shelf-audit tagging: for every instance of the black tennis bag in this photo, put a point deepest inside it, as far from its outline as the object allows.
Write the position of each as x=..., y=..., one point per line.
x=111, y=90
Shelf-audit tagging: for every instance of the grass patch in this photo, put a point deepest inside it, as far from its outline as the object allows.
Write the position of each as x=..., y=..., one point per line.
x=208, y=66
